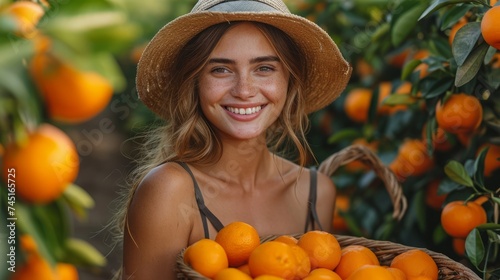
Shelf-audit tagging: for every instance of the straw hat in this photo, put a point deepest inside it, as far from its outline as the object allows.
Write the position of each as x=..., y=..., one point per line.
x=327, y=71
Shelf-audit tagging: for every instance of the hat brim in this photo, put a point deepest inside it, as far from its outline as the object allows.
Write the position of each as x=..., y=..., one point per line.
x=328, y=71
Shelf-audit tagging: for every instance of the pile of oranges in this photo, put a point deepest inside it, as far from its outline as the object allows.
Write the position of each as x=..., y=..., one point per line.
x=237, y=253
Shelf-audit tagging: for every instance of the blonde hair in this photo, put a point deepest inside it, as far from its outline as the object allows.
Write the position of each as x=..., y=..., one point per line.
x=187, y=136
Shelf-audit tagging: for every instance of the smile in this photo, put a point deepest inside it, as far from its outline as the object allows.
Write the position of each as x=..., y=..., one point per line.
x=244, y=111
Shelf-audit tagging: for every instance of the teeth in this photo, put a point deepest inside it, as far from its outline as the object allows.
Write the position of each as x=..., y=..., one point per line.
x=244, y=111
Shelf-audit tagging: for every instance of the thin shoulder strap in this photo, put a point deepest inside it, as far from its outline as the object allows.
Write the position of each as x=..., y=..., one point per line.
x=205, y=213
x=312, y=215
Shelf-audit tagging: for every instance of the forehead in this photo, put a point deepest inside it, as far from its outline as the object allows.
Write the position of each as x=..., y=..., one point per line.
x=244, y=39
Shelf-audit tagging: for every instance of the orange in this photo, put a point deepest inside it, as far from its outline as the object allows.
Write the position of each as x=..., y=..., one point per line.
x=66, y=271
x=27, y=14
x=440, y=139
x=28, y=243
x=458, y=217
x=244, y=268
x=363, y=68
x=322, y=247
x=71, y=95
x=44, y=164
x=303, y=262
x=454, y=29
x=273, y=258
x=385, y=91
x=397, y=273
x=412, y=159
x=136, y=52
x=357, y=165
x=357, y=104
x=268, y=277
x=354, y=257
x=461, y=113
x=238, y=239
x=495, y=61
x=342, y=203
x=459, y=246
x=423, y=67
x=493, y=2
x=432, y=198
x=288, y=239
x=398, y=59
x=206, y=256
x=489, y=27
x=35, y=267
x=415, y=263
x=232, y=273
x=372, y=272
x=481, y=199
x=322, y=274
x=492, y=159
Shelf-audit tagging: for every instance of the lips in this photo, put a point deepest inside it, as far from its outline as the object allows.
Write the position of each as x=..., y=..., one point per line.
x=244, y=111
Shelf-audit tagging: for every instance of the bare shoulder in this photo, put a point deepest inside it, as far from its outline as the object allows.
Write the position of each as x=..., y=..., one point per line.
x=325, y=184
x=161, y=194
x=158, y=225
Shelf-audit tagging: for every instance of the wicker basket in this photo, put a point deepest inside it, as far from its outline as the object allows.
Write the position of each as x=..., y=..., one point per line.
x=384, y=250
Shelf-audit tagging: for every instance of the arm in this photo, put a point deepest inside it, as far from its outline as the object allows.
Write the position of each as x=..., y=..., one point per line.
x=326, y=201
x=156, y=229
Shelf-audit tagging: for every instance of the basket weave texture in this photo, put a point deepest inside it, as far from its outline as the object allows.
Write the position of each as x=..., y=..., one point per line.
x=384, y=250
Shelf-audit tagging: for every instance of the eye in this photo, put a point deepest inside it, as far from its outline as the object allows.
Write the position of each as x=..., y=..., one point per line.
x=220, y=70
x=266, y=68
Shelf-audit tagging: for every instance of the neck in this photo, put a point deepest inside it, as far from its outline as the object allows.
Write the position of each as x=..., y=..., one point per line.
x=245, y=163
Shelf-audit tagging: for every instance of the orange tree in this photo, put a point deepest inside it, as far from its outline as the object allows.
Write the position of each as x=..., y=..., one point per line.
x=61, y=63
x=424, y=95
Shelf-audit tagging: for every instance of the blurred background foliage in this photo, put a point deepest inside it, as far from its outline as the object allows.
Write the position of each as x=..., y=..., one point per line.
x=404, y=63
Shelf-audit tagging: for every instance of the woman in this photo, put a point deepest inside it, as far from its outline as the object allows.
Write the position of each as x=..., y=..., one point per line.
x=234, y=82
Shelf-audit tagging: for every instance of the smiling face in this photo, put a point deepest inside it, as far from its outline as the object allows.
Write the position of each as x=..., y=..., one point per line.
x=244, y=84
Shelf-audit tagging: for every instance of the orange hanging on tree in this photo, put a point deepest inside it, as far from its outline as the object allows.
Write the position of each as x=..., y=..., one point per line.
x=44, y=164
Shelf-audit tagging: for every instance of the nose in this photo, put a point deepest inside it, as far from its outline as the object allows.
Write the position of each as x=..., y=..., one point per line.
x=244, y=87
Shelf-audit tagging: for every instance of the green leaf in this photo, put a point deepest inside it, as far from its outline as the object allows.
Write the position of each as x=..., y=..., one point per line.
x=54, y=222
x=80, y=252
x=489, y=55
x=405, y=24
x=437, y=87
x=399, y=99
x=474, y=247
x=409, y=67
x=28, y=225
x=452, y=15
x=381, y=30
x=496, y=199
x=436, y=5
x=346, y=134
x=465, y=40
x=456, y=172
x=471, y=66
x=489, y=226
x=439, y=235
x=78, y=200
x=479, y=166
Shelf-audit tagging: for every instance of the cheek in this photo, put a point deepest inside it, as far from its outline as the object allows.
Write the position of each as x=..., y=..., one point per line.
x=208, y=93
x=280, y=89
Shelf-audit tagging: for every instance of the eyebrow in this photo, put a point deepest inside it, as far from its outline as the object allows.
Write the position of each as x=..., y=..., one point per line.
x=253, y=60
